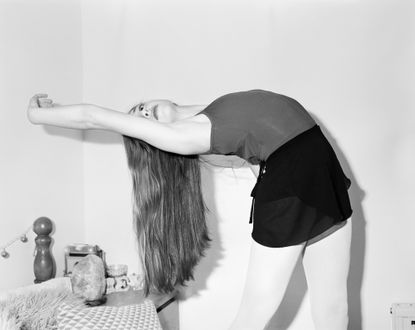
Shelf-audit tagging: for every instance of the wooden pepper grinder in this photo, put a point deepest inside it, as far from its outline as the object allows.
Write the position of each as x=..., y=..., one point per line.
x=43, y=264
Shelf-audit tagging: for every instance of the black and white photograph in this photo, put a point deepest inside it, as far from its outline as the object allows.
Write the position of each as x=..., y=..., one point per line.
x=207, y=164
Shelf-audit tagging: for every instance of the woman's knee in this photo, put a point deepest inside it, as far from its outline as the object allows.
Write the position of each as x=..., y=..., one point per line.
x=330, y=313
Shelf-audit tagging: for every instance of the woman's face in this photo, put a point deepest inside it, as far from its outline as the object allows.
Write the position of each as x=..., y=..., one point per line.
x=163, y=111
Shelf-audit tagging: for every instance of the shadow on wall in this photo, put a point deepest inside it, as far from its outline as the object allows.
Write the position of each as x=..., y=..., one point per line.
x=99, y=137
x=297, y=287
x=64, y=132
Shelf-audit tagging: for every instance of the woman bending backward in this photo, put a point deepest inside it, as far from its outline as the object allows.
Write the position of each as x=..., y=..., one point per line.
x=300, y=202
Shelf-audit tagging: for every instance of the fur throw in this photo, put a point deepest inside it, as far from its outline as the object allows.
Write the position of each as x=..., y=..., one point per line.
x=34, y=310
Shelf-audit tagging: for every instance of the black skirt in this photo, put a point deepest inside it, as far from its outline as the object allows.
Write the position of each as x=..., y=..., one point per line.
x=300, y=193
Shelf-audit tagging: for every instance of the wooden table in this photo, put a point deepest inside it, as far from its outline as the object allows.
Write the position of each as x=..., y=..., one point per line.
x=166, y=305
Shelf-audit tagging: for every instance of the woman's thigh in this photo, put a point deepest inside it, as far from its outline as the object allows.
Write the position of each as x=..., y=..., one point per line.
x=326, y=265
x=269, y=271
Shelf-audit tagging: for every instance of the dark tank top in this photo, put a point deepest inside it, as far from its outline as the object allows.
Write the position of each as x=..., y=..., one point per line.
x=253, y=124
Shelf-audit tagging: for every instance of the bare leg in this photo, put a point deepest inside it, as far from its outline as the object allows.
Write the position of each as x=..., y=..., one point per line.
x=326, y=265
x=269, y=272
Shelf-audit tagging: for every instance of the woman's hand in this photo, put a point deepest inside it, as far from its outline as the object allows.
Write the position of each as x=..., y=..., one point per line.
x=37, y=101
x=43, y=101
x=42, y=110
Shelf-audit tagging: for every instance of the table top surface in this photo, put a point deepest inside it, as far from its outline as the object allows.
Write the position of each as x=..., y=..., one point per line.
x=130, y=297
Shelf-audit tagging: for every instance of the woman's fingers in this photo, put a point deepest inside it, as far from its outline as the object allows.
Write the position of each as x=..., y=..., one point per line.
x=45, y=103
x=35, y=100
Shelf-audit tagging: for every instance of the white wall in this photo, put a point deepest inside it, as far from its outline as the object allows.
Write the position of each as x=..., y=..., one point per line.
x=40, y=169
x=108, y=210
x=348, y=62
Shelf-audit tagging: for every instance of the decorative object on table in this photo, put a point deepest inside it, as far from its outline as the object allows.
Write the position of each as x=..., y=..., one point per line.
x=22, y=237
x=35, y=310
x=75, y=252
x=117, y=284
x=119, y=281
x=117, y=270
x=136, y=316
x=136, y=281
x=88, y=279
x=43, y=263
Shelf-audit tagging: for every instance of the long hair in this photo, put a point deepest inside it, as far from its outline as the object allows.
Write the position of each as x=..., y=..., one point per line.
x=169, y=214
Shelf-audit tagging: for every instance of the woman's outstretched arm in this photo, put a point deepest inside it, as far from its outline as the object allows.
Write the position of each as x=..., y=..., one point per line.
x=189, y=136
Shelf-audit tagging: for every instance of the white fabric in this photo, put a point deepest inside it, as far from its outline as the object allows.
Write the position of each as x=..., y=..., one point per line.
x=55, y=283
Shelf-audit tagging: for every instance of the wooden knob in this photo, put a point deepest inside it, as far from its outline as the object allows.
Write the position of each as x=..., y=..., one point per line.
x=43, y=226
